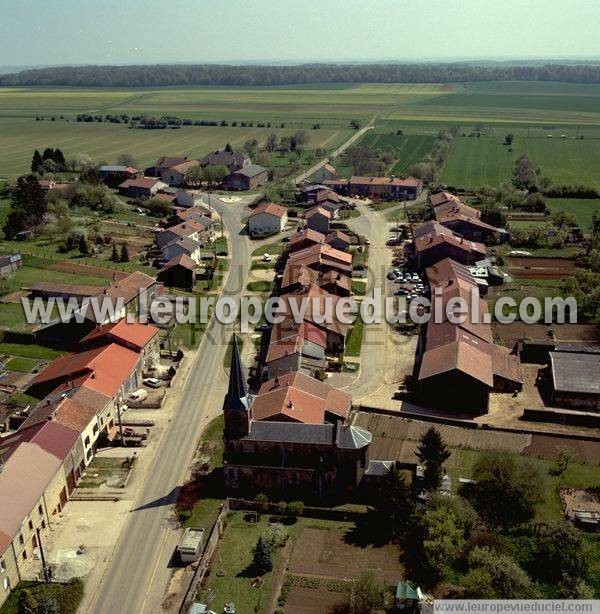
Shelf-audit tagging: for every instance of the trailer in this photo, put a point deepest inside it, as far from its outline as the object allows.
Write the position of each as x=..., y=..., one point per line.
x=190, y=546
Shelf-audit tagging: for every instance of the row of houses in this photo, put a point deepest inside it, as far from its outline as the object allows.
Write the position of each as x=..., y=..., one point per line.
x=377, y=188
x=458, y=364
x=82, y=394
x=294, y=435
x=172, y=171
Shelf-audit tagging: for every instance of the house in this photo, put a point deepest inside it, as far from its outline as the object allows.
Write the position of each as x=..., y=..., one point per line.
x=295, y=347
x=305, y=238
x=79, y=417
x=466, y=221
x=434, y=242
x=322, y=258
x=296, y=276
x=10, y=263
x=114, y=175
x=440, y=198
x=111, y=369
x=247, y=178
x=183, y=247
x=188, y=198
x=165, y=163
x=176, y=175
x=336, y=283
x=232, y=160
x=200, y=215
x=378, y=188
x=319, y=219
x=338, y=240
x=458, y=364
x=178, y=272
x=281, y=440
x=36, y=478
x=574, y=379
x=327, y=171
x=267, y=219
x=141, y=187
x=188, y=229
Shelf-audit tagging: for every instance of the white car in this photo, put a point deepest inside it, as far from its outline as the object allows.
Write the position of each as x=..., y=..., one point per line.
x=266, y=258
x=415, y=277
x=152, y=382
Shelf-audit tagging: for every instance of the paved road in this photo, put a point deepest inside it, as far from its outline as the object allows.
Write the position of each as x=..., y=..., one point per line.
x=338, y=152
x=139, y=570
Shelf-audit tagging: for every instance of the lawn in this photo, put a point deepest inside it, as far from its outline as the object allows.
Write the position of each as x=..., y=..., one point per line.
x=259, y=286
x=23, y=364
x=31, y=351
x=355, y=338
x=275, y=248
x=582, y=208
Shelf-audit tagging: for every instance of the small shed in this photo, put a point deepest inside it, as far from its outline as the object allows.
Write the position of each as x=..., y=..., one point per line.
x=407, y=597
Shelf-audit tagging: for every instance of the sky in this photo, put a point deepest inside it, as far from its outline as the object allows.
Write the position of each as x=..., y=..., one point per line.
x=45, y=32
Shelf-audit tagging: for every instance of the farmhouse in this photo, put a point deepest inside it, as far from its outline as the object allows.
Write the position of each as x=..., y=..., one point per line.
x=184, y=246
x=305, y=238
x=232, y=160
x=188, y=198
x=165, y=163
x=466, y=221
x=295, y=347
x=434, y=242
x=267, y=219
x=319, y=219
x=247, y=178
x=176, y=175
x=439, y=198
x=141, y=187
x=190, y=230
x=114, y=175
x=327, y=171
x=385, y=188
x=178, y=272
x=575, y=381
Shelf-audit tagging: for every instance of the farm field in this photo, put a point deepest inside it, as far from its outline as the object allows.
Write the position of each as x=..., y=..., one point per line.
x=408, y=149
x=106, y=141
x=582, y=208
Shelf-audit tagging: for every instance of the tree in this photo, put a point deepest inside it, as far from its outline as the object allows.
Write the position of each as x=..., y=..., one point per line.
x=508, y=488
x=126, y=159
x=284, y=146
x=27, y=602
x=272, y=142
x=115, y=254
x=262, y=501
x=263, y=561
x=59, y=159
x=295, y=509
x=363, y=160
x=496, y=576
x=299, y=139
x=432, y=453
x=83, y=246
x=524, y=173
x=195, y=176
x=47, y=605
x=37, y=163
x=508, y=139
x=228, y=148
x=393, y=503
x=251, y=147
x=365, y=595
x=214, y=174
x=124, y=253
x=354, y=124
x=28, y=206
x=158, y=207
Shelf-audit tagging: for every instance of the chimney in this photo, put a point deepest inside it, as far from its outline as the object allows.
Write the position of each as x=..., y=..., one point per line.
x=290, y=404
x=276, y=380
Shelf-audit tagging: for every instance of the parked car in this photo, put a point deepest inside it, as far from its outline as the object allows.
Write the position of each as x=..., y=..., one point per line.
x=266, y=258
x=415, y=277
x=152, y=382
x=391, y=275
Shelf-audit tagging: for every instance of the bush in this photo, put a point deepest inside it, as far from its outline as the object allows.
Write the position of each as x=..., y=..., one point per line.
x=295, y=509
x=262, y=502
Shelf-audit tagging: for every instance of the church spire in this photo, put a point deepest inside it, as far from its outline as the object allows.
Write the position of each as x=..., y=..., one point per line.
x=236, y=397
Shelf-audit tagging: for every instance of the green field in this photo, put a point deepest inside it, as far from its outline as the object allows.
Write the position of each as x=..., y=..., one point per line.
x=582, y=208
x=407, y=149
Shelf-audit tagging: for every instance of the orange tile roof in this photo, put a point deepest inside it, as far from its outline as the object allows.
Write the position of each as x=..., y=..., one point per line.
x=133, y=333
x=395, y=181
x=271, y=209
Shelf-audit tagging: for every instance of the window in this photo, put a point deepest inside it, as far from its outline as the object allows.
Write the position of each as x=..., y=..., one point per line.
x=87, y=441
x=2, y=565
x=30, y=525
x=21, y=540
x=43, y=524
x=24, y=555
x=95, y=429
x=40, y=510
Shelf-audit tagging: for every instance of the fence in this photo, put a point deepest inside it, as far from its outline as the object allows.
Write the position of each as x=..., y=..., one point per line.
x=205, y=559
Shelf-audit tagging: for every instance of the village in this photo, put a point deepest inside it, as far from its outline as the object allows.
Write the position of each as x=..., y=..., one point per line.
x=318, y=417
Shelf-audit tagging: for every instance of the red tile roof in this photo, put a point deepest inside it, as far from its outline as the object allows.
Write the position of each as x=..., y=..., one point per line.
x=296, y=397
x=181, y=260
x=131, y=333
x=320, y=210
x=412, y=182
x=140, y=182
x=306, y=235
x=271, y=209
x=64, y=411
x=53, y=438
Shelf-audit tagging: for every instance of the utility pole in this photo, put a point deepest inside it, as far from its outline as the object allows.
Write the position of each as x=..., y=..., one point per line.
x=44, y=566
x=120, y=424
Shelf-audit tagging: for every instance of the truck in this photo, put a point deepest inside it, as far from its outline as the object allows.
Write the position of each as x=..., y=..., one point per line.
x=190, y=546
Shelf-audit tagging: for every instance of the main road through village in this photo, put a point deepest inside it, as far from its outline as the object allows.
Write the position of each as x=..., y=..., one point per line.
x=138, y=572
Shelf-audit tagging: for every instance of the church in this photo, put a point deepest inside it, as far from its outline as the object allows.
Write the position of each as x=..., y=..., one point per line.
x=293, y=436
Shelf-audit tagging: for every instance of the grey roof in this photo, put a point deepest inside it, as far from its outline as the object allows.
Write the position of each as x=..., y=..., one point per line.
x=379, y=467
x=188, y=244
x=576, y=372
x=354, y=437
x=291, y=432
x=251, y=170
x=113, y=168
x=237, y=393
x=4, y=260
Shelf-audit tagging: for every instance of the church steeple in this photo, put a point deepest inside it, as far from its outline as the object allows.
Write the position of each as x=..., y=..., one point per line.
x=236, y=402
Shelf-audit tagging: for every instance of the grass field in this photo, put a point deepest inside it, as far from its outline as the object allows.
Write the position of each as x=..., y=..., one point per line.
x=407, y=149
x=582, y=208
